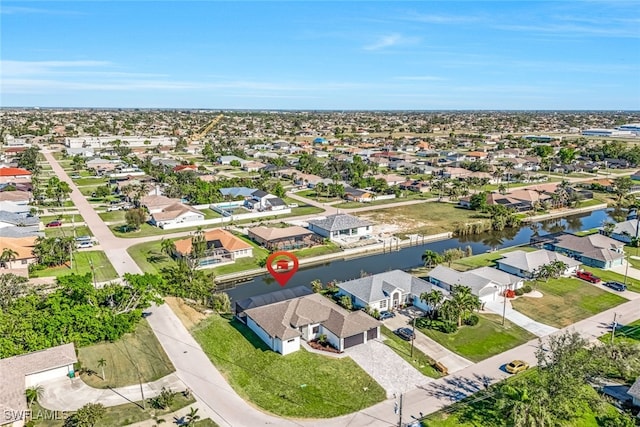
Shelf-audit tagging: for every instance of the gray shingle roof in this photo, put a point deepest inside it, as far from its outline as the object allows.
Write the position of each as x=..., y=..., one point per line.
x=529, y=261
x=18, y=219
x=594, y=246
x=378, y=286
x=339, y=222
x=33, y=230
x=634, y=391
x=476, y=279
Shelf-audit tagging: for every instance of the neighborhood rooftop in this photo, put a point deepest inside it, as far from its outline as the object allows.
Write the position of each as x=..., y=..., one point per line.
x=339, y=222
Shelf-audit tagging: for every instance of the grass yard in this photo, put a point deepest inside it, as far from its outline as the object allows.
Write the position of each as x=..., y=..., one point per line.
x=122, y=415
x=81, y=230
x=610, y=276
x=425, y=218
x=113, y=216
x=301, y=384
x=149, y=257
x=146, y=230
x=65, y=218
x=411, y=196
x=483, y=340
x=324, y=249
x=311, y=194
x=136, y=352
x=486, y=259
x=627, y=333
x=590, y=202
x=210, y=214
x=587, y=232
x=565, y=301
x=82, y=260
x=419, y=360
x=90, y=180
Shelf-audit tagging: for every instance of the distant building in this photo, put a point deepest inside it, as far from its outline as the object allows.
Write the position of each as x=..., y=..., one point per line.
x=222, y=247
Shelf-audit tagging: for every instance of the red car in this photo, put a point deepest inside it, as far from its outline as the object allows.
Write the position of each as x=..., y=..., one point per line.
x=589, y=277
x=54, y=224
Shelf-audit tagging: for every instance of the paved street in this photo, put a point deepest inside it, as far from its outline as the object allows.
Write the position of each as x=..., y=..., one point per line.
x=220, y=402
x=503, y=305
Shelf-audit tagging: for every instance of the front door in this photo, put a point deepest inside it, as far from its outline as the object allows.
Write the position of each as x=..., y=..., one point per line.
x=395, y=299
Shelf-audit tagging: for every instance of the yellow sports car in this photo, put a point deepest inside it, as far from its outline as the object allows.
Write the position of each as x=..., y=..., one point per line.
x=517, y=366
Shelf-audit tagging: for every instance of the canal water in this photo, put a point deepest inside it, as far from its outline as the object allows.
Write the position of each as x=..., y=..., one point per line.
x=410, y=257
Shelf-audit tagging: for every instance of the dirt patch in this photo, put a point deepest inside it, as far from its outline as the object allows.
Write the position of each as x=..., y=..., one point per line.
x=188, y=315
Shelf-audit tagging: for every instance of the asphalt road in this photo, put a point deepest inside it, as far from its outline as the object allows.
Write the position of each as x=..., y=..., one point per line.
x=224, y=406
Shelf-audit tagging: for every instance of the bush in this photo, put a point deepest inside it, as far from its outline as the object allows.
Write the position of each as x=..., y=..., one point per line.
x=519, y=292
x=526, y=289
x=472, y=320
x=448, y=327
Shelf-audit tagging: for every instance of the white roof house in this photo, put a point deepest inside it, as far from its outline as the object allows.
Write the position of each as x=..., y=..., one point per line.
x=486, y=283
x=524, y=264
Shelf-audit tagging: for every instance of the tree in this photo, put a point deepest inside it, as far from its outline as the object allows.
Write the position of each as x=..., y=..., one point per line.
x=33, y=394
x=452, y=254
x=53, y=251
x=101, y=364
x=8, y=255
x=320, y=189
x=345, y=301
x=167, y=247
x=621, y=186
x=464, y=302
x=135, y=218
x=478, y=201
x=316, y=286
x=12, y=287
x=235, y=163
x=433, y=298
x=198, y=246
x=87, y=416
x=192, y=417
x=221, y=302
x=103, y=191
x=431, y=258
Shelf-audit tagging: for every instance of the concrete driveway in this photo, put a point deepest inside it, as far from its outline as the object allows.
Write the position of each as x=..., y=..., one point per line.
x=525, y=322
x=448, y=358
x=389, y=370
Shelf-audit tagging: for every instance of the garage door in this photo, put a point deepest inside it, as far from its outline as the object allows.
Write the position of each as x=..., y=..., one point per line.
x=372, y=334
x=353, y=340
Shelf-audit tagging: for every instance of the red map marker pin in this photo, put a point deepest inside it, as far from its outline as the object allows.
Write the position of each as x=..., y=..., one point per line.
x=282, y=271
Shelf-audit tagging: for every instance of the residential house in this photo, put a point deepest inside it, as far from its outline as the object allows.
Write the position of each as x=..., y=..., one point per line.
x=102, y=166
x=525, y=264
x=176, y=213
x=306, y=179
x=415, y=185
x=10, y=219
x=386, y=291
x=634, y=392
x=14, y=175
x=595, y=250
x=486, y=282
x=155, y=203
x=624, y=231
x=222, y=247
x=358, y=195
x=226, y=160
x=15, y=201
x=279, y=239
x=18, y=373
x=185, y=168
x=340, y=226
x=282, y=325
x=253, y=166
x=23, y=249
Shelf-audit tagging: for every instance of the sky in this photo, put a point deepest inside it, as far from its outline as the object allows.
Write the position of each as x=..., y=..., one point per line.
x=320, y=55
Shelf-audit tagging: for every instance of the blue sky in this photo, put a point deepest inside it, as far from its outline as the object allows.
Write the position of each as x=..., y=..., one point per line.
x=322, y=55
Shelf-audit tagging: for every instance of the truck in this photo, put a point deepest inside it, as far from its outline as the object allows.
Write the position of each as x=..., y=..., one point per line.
x=588, y=276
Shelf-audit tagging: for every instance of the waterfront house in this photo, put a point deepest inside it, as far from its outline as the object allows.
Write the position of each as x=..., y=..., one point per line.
x=624, y=231
x=486, y=282
x=595, y=250
x=222, y=247
x=525, y=264
x=282, y=239
x=340, y=227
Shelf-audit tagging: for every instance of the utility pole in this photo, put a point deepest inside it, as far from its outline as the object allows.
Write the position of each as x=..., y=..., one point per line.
x=504, y=306
x=400, y=411
x=615, y=325
x=413, y=337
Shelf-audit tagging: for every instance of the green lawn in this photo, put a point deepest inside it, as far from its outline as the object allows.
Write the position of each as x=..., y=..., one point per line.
x=123, y=415
x=113, y=216
x=425, y=218
x=483, y=340
x=565, y=301
x=243, y=264
x=419, y=360
x=137, y=352
x=149, y=257
x=587, y=232
x=311, y=194
x=103, y=269
x=210, y=214
x=411, y=196
x=147, y=230
x=81, y=230
x=81, y=182
x=65, y=218
x=324, y=249
x=611, y=276
x=626, y=333
x=486, y=259
x=590, y=202
x=301, y=384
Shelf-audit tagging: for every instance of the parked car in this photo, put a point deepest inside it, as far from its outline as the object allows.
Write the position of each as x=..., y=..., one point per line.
x=114, y=208
x=84, y=245
x=588, y=276
x=404, y=333
x=54, y=224
x=387, y=315
x=83, y=239
x=616, y=286
x=516, y=366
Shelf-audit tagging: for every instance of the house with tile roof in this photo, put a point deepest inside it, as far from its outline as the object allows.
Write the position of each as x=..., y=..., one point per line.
x=18, y=373
x=22, y=248
x=486, y=282
x=282, y=325
x=340, y=227
x=284, y=239
x=14, y=175
x=386, y=291
x=525, y=264
x=222, y=248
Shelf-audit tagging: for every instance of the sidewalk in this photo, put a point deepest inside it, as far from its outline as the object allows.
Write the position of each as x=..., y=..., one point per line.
x=67, y=394
x=525, y=322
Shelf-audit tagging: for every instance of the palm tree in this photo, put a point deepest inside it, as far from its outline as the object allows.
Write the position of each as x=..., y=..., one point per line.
x=432, y=298
x=464, y=301
x=431, y=258
x=33, y=394
x=101, y=364
x=167, y=247
x=8, y=255
x=192, y=416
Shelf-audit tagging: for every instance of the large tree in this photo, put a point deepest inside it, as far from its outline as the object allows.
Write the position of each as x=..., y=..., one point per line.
x=431, y=258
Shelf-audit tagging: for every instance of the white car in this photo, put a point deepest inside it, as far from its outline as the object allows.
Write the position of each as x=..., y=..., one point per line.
x=84, y=245
x=113, y=208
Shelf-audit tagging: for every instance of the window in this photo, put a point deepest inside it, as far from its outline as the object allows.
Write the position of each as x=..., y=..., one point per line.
x=291, y=340
x=24, y=261
x=383, y=304
x=315, y=329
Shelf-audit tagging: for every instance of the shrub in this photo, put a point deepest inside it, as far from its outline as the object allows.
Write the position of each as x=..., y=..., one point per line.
x=448, y=327
x=519, y=292
x=526, y=289
x=472, y=320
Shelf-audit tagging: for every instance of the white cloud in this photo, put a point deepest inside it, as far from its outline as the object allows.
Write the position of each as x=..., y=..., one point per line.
x=21, y=68
x=391, y=40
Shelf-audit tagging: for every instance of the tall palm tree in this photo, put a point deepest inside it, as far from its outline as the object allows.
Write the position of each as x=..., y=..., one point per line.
x=192, y=416
x=464, y=301
x=33, y=394
x=432, y=298
x=167, y=247
x=8, y=255
x=431, y=258
x=101, y=364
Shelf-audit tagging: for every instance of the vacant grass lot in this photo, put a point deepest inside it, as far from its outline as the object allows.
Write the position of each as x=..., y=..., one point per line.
x=65, y=218
x=123, y=415
x=411, y=196
x=81, y=230
x=113, y=216
x=82, y=260
x=483, y=340
x=81, y=182
x=136, y=352
x=610, y=276
x=565, y=301
x=486, y=259
x=425, y=218
x=419, y=360
x=301, y=384
x=627, y=333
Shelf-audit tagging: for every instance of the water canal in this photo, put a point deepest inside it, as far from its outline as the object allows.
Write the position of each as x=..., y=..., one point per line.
x=409, y=257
